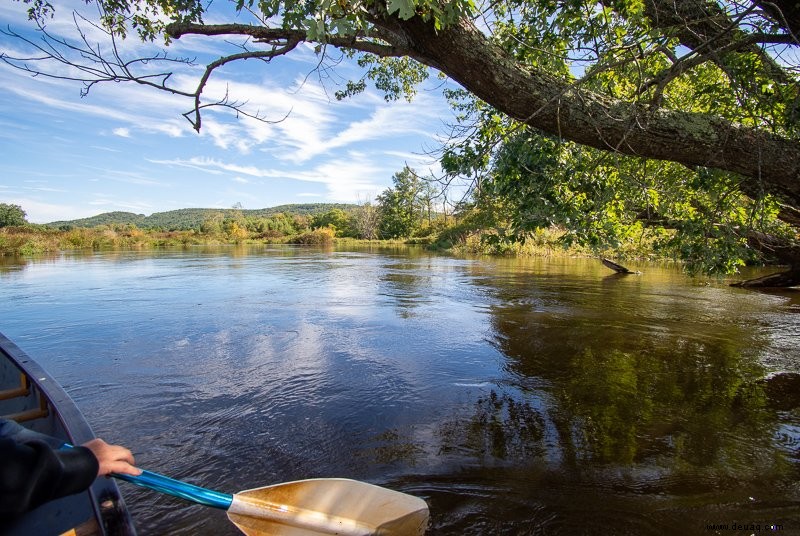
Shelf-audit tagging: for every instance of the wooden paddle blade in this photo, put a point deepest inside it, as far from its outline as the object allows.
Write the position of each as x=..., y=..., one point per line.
x=328, y=506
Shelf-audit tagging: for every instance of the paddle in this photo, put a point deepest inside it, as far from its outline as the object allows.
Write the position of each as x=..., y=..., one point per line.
x=305, y=507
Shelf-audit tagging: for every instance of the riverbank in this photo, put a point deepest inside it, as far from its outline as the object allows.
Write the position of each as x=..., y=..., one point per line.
x=39, y=239
x=35, y=240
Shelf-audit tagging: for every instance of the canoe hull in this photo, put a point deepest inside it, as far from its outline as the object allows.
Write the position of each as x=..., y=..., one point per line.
x=29, y=395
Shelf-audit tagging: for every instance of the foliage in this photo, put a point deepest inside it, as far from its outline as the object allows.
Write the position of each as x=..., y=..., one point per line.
x=107, y=218
x=400, y=213
x=236, y=232
x=394, y=77
x=11, y=215
x=610, y=202
x=281, y=224
x=338, y=220
x=38, y=239
x=318, y=237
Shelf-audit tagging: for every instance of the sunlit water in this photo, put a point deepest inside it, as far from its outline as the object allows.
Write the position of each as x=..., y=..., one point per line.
x=515, y=396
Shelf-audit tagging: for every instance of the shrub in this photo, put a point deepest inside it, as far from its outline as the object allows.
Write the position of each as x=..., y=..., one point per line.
x=318, y=237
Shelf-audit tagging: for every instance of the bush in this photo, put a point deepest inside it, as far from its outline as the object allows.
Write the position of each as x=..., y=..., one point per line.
x=28, y=240
x=318, y=237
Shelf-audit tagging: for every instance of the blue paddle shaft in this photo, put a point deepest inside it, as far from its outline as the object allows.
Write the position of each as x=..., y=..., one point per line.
x=176, y=488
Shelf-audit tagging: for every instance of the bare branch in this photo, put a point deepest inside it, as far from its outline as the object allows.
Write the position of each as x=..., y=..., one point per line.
x=87, y=62
x=255, y=54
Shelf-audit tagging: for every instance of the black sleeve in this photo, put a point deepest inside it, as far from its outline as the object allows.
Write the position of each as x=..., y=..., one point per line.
x=33, y=473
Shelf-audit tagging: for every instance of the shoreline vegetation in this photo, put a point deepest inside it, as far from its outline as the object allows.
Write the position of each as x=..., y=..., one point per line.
x=467, y=233
x=31, y=240
x=34, y=239
x=326, y=225
x=40, y=239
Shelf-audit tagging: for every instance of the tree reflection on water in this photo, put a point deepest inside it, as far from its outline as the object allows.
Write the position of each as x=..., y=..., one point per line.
x=605, y=421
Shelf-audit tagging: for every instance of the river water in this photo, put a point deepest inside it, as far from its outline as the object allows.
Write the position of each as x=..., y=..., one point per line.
x=535, y=396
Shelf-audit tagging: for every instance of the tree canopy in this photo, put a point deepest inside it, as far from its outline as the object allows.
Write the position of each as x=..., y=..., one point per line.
x=11, y=215
x=708, y=85
x=400, y=206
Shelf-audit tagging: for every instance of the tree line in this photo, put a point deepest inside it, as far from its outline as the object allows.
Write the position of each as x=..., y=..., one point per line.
x=407, y=209
x=190, y=218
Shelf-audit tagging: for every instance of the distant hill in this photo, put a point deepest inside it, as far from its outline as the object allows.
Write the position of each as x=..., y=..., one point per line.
x=193, y=218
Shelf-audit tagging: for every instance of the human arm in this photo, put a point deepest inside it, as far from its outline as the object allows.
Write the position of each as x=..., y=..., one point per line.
x=32, y=472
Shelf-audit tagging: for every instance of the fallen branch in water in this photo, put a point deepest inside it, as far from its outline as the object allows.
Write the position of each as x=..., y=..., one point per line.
x=616, y=267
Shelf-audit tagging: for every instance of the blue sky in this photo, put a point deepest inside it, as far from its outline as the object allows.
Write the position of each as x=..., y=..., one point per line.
x=127, y=147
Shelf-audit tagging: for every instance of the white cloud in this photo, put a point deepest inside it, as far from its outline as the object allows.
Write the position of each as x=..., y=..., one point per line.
x=300, y=121
x=212, y=165
x=349, y=149
x=140, y=111
x=346, y=178
x=47, y=189
x=42, y=212
x=197, y=164
x=107, y=149
x=223, y=135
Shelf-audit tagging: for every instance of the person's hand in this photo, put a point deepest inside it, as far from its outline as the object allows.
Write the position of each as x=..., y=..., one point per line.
x=112, y=458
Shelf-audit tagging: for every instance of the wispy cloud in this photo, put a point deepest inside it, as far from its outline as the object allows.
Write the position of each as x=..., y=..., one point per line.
x=140, y=154
x=107, y=149
x=212, y=165
x=138, y=113
x=38, y=211
x=128, y=177
x=196, y=163
x=46, y=189
x=347, y=178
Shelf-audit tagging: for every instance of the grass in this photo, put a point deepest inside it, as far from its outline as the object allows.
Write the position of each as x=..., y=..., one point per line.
x=35, y=239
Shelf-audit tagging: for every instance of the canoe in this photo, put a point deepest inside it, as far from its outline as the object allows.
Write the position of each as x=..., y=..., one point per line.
x=30, y=396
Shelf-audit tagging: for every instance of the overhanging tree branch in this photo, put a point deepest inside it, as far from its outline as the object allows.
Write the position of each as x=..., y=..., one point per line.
x=551, y=104
x=558, y=107
x=89, y=64
x=253, y=54
x=268, y=35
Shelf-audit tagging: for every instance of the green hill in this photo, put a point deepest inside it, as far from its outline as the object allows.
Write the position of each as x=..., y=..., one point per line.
x=192, y=218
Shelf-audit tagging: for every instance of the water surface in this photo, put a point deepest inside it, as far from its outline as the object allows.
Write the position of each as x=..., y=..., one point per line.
x=539, y=396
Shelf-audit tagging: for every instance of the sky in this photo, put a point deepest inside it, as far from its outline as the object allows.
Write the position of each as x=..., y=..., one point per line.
x=127, y=147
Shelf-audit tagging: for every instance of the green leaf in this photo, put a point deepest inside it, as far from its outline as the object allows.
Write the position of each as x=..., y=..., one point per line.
x=404, y=8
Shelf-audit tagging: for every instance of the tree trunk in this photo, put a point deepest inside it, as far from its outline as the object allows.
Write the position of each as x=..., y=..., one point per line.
x=790, y=278
x=768, y=162
x=777, y=250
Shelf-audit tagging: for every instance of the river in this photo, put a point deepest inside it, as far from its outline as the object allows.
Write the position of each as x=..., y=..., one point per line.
x=516, y=396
